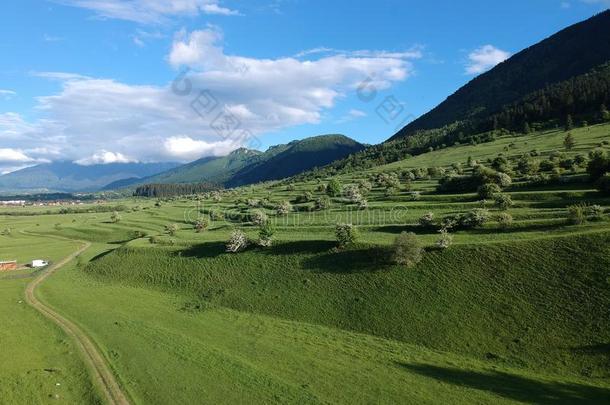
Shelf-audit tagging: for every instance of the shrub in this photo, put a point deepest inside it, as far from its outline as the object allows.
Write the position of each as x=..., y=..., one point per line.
x=258, y=217
x=171, y=229
x=201, y=224
x=414, y=195
x=153, y=240
x=488, y=190
x=283, y=208
x=476, y=217
x=216, y=196
x=363, y=204
x=603, y=184
x=407, y=249
x=237, y=242
x=253, y=203
x=346, y=234
x=265, y=234
x=216, y=215
x=365, y=186
x=595, y=212
x=547, y=165
x=445, y=240
x=333, y=188
x=577, y=214
x=427, y=220
x=503, y=201
x=115, y=217
x=505, y=220
x=503, y=180
x=322, y=203
x=352, y=193
x=599, y=164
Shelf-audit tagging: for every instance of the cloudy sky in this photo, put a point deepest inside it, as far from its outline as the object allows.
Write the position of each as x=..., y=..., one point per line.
x=101, y=81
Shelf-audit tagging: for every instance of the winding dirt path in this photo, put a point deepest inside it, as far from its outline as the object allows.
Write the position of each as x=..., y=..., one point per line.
x=99, y=368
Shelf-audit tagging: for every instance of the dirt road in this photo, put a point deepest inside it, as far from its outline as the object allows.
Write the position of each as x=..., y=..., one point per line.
x=99, y=368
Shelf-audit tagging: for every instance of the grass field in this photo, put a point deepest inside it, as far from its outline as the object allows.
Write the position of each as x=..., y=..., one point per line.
x=507, y=314
x=40, y=365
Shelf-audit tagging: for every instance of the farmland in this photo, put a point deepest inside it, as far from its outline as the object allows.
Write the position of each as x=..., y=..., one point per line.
x=509, y=312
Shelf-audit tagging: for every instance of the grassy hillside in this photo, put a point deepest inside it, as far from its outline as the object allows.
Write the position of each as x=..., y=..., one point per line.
x=510, y=312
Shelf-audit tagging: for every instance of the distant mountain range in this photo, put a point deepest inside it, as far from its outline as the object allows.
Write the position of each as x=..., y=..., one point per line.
x=72, y=177
x=242, y=166
x=572, y=52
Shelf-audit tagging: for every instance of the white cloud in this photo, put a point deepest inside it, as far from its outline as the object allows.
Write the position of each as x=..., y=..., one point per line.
x=8, y=155
x=104, y=157
x=357, y=113
x=484, y=58
x=150, y=11
x=7, y=94
x=186, y=148
x=104, y=120
x=51, y=38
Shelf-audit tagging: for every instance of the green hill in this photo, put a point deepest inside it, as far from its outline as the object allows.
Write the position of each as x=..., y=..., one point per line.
x=571, y=52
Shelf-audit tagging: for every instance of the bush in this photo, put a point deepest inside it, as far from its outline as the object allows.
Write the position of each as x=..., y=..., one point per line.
x=258, y=217
x=171, y=229
x=505, y=220
x=488, y=190
x=322, y=203
x=352, y=193
x=265, y=234
x=283, y=208
x=603, y=184
x=115, y=217
x=153, y=240
x=201, y=225
x=503, y=201
x=216, y=215
x=346, y=234
x=599, y=164
x=476, y=217
x=445, y=240
x=237, y=242
x=333, y=188
x=407, y=249
x=577, y=214
x=427, y=220
x=595, y=212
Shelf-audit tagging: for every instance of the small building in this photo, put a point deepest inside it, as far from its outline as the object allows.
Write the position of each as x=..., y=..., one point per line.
x=8, y=265
x=39, y=263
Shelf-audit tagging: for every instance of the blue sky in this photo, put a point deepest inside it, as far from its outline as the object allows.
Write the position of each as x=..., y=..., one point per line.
x=91, y=80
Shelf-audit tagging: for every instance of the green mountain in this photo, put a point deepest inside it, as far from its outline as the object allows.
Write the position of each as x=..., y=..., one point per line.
x=244, y=166
x=70, y=177
x=296, y=157
x=572, y=52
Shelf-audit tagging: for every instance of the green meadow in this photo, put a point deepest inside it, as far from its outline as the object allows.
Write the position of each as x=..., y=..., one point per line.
x=513, y=312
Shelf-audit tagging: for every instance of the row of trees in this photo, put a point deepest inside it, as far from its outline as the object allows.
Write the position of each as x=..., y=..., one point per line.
x=171, y=190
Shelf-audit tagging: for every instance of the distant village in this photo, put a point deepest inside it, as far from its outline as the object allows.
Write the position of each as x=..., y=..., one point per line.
x=23, y=203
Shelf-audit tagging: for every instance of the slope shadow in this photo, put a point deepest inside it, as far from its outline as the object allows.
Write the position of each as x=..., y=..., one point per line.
x=203, y=250
x=515, y=387
x=355, y=260
x=300, y=247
